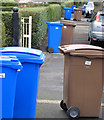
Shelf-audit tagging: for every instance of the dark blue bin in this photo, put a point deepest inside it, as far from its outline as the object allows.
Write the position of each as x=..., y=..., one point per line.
x=8, y=73
x=73, y=7
x=67, y=15
x=27, y=80
x=54, y=36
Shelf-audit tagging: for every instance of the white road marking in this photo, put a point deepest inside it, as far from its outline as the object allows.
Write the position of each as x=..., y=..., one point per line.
x=49, y=101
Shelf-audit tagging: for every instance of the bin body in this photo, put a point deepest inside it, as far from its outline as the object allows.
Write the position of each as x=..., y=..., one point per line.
x=54, y=35
x=83, y=79
x=67, y=15
x=8, y=73
x=73, y=7
x=27, y=80
x=67, y=32
x=78, y=14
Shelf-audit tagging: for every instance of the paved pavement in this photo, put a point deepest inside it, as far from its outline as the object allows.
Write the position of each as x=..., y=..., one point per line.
x=51, y=79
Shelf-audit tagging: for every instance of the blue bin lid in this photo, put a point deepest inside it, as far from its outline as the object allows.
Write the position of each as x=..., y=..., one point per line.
x=24, y=54
x=54, y=23
x=67, y=8
x=10, y=61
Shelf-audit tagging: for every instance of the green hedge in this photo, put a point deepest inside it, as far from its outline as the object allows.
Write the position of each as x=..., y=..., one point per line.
x=8, y=3
x=65, y=5
x=40, y=15
x=31, y=4
x=54, y=12
x=7, y=25
x=7, y=8
x=2, y=35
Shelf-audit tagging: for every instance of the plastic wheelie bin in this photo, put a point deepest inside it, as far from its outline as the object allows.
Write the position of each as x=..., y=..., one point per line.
x=67, y=32
x=77, y=14
x=54, y=36
x=27, y=80
x=9, y=66
x=73, y=7
x=83, y=80
x=67, y=15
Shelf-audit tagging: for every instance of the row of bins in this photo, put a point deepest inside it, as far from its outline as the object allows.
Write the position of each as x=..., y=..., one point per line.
x=19, y=81
x=83, y=80
x=19, y=74
x=59, y=33
x=83, y=69
x=77, y=13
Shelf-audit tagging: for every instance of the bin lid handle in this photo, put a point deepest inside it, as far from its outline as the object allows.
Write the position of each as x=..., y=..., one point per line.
x=89, y=49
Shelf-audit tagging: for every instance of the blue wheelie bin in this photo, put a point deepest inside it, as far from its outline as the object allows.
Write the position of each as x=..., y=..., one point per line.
x=73, y=7
x=9, y=68
x=27, y=80
x=67, y=15
x=54, y=36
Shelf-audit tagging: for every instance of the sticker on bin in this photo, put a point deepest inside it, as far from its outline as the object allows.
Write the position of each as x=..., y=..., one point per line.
x=2, y=75
x=87, y=62
x=57, y=28
x=65, y=26
x=68, y=10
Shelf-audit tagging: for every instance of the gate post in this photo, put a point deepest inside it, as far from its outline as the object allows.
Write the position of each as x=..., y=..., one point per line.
x=15, y=25
x=30, y=28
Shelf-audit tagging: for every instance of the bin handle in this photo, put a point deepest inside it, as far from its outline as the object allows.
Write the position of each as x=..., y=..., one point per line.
x=90, y=49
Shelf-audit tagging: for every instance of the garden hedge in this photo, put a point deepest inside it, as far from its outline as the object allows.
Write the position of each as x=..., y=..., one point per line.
x=65, y=5
x=7, y=8
x=7, y=25
x=8, y=3
x=40, y=15
x=31, y=4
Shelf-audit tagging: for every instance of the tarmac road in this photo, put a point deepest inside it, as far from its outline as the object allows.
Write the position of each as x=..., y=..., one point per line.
x=50, y=91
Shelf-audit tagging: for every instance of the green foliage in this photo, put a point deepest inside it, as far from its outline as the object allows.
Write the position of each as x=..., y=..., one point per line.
x=7, y=21
x=54, y=12
x=31, y=4
x=3, y=35
x=7, y=8
x=8, y=3
x=65, y=5
x=40, y=15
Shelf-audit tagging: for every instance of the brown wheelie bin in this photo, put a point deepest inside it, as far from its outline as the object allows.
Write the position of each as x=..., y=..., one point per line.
x=83, y=80
x=67, y=32
x=77, y=14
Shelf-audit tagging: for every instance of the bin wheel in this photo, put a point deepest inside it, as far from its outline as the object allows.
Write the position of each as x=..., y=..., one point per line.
x=74, y=19
x=63, y=105
x=73, y=112
x=47, y=48
x=50, y=50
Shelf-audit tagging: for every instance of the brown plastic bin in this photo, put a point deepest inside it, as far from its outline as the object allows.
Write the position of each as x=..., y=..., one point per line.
x=78, y=14
x=67, y=32
x=83, y=80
